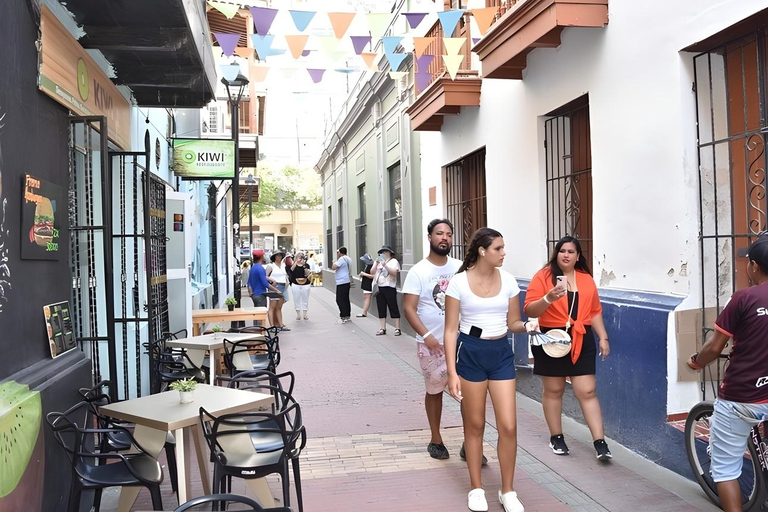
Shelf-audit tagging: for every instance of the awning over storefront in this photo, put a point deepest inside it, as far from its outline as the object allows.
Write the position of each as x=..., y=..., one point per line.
x=160, y=49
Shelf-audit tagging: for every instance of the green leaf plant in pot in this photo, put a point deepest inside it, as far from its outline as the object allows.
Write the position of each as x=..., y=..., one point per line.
x=186, y=389
x=230, y=302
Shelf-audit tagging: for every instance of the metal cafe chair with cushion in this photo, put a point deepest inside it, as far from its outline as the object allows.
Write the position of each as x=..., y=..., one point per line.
x=205, y=502
x=257, y=444
x=95, y=470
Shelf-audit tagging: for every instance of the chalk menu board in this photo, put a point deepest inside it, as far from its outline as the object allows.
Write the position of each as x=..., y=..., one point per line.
x=61, y=337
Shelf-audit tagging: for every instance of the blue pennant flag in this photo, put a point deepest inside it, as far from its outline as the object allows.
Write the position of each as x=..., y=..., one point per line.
x=449, y=19
x=301, y=19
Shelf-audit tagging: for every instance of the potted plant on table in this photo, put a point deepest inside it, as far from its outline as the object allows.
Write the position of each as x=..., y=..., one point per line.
x=230, y=302
x=186, y=389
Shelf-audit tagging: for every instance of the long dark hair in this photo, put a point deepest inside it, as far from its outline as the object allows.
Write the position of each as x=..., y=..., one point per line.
x=581, y=263
x=483, y=237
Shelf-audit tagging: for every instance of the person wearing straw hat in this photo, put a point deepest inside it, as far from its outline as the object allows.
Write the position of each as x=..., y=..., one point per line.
x=366, y=283
x=279, y=274
x=570, y=303
x=385, y=271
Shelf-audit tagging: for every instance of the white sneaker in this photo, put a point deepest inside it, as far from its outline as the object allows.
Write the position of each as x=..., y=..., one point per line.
x=510, y=502
x=476, y=500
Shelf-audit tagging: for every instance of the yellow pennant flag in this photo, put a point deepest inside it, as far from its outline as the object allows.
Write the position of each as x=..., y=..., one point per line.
x=259, y=73
x=452, y=64
x=228, y=10
x=454, y=45
x=245, y=53
x=340, y=21
x=397, y=75
x=378, y=23
x=370, y=60
x=484, y=18
x=296, y=44
x=420, y=44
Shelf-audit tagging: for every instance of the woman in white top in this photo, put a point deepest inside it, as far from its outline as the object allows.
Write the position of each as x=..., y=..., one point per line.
x=276, y=272
x=385, y=277
x=481, y=304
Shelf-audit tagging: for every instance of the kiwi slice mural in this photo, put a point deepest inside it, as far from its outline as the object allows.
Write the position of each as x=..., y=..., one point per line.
x=20, y=419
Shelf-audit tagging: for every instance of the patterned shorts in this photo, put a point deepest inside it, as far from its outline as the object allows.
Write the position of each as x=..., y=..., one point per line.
x=433, y=368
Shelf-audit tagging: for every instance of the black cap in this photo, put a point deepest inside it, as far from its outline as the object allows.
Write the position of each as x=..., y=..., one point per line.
x=387, y=248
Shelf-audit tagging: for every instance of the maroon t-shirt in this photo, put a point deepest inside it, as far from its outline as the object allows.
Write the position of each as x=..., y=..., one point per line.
x=745, y=319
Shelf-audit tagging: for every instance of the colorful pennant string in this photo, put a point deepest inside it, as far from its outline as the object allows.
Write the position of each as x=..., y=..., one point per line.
x=449, y=19
x=227, y=42
x=301, y=19
x=414, y=18
x=340, y=22
x=228, y=10
x=484, y=18
x=263, y=18
x=359, y=42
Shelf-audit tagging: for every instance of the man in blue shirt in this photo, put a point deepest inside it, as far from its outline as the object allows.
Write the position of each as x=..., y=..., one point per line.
x=342, y=267
x=258, y=282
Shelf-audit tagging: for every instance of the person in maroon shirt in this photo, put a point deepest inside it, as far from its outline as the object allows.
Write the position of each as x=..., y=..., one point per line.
x=743, y=397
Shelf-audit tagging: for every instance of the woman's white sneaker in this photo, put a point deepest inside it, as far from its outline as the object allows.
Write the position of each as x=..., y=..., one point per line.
x=510, y=502
x=476, y=501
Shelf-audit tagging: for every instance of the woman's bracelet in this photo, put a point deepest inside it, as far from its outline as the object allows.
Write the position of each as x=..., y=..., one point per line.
x=546, y=299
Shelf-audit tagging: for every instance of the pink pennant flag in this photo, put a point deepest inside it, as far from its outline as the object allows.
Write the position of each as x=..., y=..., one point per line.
x=296, y=44
x=359, y=42
x=263, y=18
x=227, y=42
x=316, y=74
x=370, y=60
x=245, y=53
x=340, y=21
x=259, y=73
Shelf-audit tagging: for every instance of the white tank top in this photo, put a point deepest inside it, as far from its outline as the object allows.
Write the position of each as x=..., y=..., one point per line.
x=278, y=273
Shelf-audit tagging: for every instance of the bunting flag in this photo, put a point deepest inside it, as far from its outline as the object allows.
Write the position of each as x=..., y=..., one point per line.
x=228, y=10
x=454, y=45
x=259, y=73
x=414, y=18
x=449, y=19
x=423, y=78
x=346, y=71
x=378, y=23
x=475, y=40
x=245, y=53
x=390, y=43
x=306, y=53
x=370, y=60
x=263, y=18
x=296, y=44
x=484, y=18
x=230, y=71
x=302, y=19
x=330, y=47
x=359, y=42
x=340, y=21
x=423, y=62
x=420, y=44
x=263, y=45
x=397, y=75
x=395, y=59
x=316, y=74
x=452, y=64
x=227, y=42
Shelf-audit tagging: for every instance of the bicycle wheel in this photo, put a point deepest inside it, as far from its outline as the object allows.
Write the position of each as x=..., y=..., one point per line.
x=753, y=488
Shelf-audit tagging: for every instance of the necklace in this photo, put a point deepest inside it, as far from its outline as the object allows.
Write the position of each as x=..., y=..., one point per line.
x=487, y=289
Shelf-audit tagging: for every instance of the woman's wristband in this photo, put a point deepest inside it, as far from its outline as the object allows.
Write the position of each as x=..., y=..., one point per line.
x=546, y=299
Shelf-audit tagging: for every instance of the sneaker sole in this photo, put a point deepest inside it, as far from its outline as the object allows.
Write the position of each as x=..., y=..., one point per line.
x=556, y=451
x=604, y=457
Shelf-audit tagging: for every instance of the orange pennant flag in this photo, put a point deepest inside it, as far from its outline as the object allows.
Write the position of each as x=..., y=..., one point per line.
x=259, y=73
x=245, y=53
x=340, y=21
x=296, y=44
x=420, y=44
x=370, y=60
x=484, y=18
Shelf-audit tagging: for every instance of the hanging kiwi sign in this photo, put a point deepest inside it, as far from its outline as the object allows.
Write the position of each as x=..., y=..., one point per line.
x=42, y=219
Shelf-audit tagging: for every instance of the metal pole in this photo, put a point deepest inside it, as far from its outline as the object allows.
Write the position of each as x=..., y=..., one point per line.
x=250, y=217
x=236, y=179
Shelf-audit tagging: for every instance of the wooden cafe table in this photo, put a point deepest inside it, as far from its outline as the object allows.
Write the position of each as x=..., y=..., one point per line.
x=202, y=316
x=156, y=415
x=214, y=343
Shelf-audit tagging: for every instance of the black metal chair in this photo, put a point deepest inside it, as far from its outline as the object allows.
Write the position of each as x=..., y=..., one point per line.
x=240, y=356
x=257, y=444
x=95, y=470
x=118, y=441
x=170, y=365
x=226, y=499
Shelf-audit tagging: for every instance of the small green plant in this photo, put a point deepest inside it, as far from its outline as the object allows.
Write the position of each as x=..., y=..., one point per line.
x=216, y=328
x=230, y=301
x=185, y=385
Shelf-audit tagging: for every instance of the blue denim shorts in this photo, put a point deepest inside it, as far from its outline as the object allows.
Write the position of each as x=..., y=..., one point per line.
x=729, y=434
x=478, y=360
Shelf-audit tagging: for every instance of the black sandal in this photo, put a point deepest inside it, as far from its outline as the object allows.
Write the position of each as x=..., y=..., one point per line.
x=381, y=332
x=361, y=316
x=398, y=332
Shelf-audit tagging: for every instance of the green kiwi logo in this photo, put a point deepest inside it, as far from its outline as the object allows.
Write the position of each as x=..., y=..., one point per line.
x=82, y=79
x=20, y=416
x=189, y=157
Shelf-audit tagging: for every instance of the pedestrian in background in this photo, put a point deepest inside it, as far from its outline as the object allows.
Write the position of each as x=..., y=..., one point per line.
x=366, y=283
x=298, y=275
x=277, y=272
x=481, y=305
x=258, y=283
x=385, y=271
x=342, y=266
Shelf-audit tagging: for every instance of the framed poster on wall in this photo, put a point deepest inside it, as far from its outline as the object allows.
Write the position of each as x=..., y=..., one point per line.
x=58, y=321
x=43, y=220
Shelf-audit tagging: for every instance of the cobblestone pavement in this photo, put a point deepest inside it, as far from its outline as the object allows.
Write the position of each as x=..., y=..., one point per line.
x=362, y=397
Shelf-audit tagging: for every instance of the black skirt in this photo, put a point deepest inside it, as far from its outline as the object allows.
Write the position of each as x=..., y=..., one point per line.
x=562, y=366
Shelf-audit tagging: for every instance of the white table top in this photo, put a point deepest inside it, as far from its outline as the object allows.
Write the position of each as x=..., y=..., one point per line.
x=213, y=341
x=164, y=412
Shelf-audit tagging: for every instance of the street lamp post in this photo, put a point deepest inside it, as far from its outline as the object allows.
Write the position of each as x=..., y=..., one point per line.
x=250, y=182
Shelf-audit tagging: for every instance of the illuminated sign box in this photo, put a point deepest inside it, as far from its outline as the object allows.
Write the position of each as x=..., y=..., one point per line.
x=198, y=159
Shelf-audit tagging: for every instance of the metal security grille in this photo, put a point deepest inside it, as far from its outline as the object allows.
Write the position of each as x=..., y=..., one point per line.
x=214, y=271
x=340, y=226
x=731, y=121
x=568, y=150
x=393, y=217
x=361, y=228
x=466, y=199
x=329, y=241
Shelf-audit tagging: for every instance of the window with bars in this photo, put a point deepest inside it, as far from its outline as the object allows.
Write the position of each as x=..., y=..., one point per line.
x=329, y=240
x=340, y=225
x=568, y=155
x=213, y=119
x=393, y=217
x=466, y=199
x=361, y=227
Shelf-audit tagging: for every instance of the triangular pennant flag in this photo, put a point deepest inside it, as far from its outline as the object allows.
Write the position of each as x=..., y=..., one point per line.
x=296, y=44
x=245, y=53
x=228, y=42
x=420, y=44
x=263, y=45
x=395, y=59
x=346, y=70
x=301, y=19
x=475, y=40
x=423, y=62
x=397, y=75
x=263, y=18
x=359, y=42
x=452, y=64
x=378, y=23
x=423, y=78
x=330, y=47
x=306, y=53
x=454, y=45
x=484, y=18
x=316, y=74
x=370, y=60
x=414, y=18
x=390, y=43
x=259, y=73
x=340, y=21
x=449, y=19
x=230, y=71
x=228, y=10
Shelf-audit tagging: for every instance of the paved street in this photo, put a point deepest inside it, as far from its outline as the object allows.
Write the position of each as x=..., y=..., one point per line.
x=362, y=397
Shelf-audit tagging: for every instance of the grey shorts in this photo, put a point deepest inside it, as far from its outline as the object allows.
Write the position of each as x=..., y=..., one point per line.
x=260, y=301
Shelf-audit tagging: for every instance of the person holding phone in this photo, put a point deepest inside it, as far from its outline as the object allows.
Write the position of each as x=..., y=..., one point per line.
x=298, y=275
x=481, y=305
x=385, y=271
x=563, y=295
